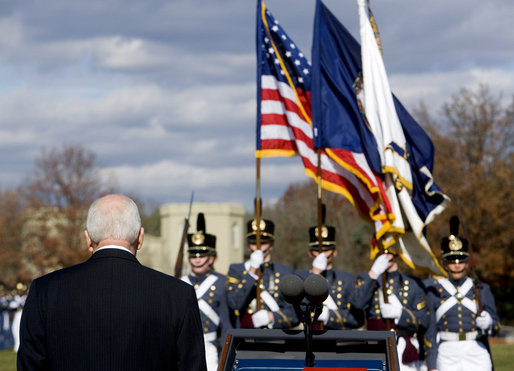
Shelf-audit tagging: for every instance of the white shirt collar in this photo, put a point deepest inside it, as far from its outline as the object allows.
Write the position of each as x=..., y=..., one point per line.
x=115, y=247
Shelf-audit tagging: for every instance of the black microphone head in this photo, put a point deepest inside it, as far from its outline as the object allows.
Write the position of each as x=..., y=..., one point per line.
x=316, y=289
x=291, y=288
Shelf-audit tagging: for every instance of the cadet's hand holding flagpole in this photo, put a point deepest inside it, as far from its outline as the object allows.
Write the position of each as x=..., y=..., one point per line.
x=379, y=267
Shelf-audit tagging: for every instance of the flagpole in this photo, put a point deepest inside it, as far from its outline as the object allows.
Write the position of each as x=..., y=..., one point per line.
x=387, y=321
x=321, y=216
x=260, y=8
x=320, y=204
x=381, y=242
x=258, y=231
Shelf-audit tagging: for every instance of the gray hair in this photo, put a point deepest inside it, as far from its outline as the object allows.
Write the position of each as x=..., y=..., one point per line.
x=113, y=216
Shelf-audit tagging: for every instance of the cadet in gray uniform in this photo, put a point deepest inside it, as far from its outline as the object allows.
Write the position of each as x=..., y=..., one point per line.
x=242, y=279
x=404, y=310
x=210, y=290
x=337, y=314
x=463, y=313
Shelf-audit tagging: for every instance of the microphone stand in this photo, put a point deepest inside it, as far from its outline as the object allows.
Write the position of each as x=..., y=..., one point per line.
x=307, y=321
x=315, y=290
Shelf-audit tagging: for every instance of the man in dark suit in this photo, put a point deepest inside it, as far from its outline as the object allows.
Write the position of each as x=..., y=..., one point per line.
x=111, y=312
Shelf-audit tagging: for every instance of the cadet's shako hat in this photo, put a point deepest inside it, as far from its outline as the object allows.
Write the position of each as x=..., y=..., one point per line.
x=267, y=228
x=201, y=243
x=328, y=234
x=328, y=237
x=454, y=249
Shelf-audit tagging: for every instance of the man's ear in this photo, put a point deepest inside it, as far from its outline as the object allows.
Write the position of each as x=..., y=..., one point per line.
x=89, y=241
x=140, y=238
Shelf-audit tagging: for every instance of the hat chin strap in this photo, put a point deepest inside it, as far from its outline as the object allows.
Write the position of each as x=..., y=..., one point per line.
x=200, y=266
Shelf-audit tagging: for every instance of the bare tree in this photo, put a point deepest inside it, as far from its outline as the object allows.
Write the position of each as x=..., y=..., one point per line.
x=64, y=177
x=475, y=167
x=59, y=190
x=11, y=224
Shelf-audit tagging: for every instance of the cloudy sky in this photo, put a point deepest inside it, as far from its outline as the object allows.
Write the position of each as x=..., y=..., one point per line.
x=164, y=91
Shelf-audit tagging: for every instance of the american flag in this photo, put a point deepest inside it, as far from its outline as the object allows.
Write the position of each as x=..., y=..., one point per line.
x=284, y=124
x=283, y=89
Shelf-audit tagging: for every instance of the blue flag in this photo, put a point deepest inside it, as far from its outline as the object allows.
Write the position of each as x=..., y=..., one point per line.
x=336, y=72
x=355, y=110
x=427, y=197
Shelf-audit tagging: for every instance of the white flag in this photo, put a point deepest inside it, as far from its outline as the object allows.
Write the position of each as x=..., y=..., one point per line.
x=385, y=125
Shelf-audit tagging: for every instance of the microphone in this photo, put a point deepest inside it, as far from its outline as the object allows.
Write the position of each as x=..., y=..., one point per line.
x=316, y=289
x=291, y=287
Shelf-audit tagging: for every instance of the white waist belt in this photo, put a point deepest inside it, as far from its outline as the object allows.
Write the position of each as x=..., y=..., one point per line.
x=458, y=336
x=209, y=336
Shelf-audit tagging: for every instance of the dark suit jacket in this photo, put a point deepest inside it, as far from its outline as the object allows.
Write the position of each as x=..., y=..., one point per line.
x=110, y=313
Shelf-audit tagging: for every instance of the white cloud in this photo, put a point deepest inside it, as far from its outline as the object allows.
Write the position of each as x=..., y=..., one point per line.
x=437, y=88
x=164, y=92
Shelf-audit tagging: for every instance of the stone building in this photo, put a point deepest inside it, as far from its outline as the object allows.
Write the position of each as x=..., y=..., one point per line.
x=225, y=221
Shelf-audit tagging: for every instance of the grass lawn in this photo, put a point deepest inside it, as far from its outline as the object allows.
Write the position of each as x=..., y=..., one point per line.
x=7, y=360
x=503, y=355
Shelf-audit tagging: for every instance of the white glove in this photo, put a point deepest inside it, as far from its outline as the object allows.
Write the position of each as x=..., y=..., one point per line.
x=320, y=262
x=260, y=318
x=323, y=317
x=380, y=265
x=484, y=321
x=256, y=259
x=391, y=310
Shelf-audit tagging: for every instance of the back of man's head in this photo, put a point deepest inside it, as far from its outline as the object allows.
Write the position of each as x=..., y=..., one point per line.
x=113, y=216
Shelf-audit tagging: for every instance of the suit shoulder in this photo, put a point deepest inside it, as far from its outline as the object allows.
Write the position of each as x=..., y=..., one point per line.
x=60, y=274
x=156, y=275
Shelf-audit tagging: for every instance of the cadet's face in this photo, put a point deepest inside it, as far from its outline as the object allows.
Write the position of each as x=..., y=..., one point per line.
x=200, y=264
x=456, y=270
x=393, y=264
x=330, y=254
x=265, y=248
